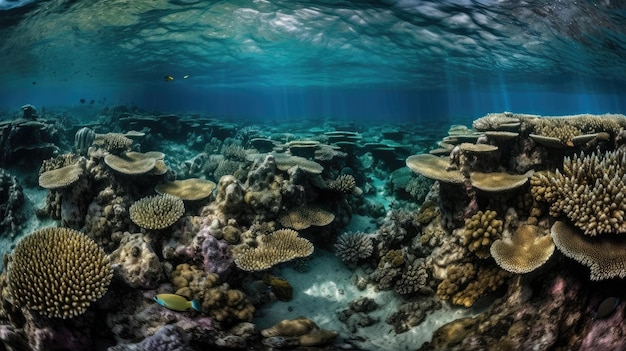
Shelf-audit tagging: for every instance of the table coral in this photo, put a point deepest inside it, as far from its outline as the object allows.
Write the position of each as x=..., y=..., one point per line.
x=280, y=246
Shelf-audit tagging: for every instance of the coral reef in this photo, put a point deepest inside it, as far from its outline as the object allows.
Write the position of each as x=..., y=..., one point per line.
x=352, y=247
x=58, y=272
x=11, y=201
x=297, y=332
x=280, y=246
x=135, y=263
x=157, y=211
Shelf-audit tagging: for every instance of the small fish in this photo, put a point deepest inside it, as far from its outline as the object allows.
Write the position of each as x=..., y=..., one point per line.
x=177, y=302
x=185, y=76
x=169, y=78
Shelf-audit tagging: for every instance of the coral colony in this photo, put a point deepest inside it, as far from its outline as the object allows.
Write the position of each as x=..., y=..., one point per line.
x=517, y=222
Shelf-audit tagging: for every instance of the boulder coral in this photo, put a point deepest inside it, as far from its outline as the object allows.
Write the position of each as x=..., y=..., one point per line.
x=135, y=262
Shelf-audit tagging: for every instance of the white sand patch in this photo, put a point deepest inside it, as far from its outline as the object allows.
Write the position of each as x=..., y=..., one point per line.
x=326, y=289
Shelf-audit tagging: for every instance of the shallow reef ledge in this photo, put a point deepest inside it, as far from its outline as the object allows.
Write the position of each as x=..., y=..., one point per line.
x=197, y=233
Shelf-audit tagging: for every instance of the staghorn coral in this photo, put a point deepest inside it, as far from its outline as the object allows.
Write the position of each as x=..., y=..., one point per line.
x=605, y=257
x=524, y=252
x=345, y=183
x=157, y=211
x=58, y=272
x=304, y=217
x=352, y=247
x=480, y=231
x=280, y=246
x=589, y=191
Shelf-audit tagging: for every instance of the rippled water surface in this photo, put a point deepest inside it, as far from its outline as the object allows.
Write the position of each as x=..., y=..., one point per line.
x=319, y=56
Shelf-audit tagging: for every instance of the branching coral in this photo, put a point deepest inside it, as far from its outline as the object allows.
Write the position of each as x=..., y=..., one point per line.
x=589, y=191
x=351, y=248
x=345, y=183
x=480, y=231
x=58, y=272
x=157, y=212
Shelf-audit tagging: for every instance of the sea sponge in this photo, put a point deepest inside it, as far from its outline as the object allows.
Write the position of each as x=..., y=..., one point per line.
x=480, y=231
x=280, y=246
x=352, y=247
x=304, y=217
x=58, y=272
x=526, y=251
x=157, y=211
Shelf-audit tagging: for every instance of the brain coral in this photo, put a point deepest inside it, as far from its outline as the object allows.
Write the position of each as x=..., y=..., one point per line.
x=280, y=246
x=589, y=191
x=58, y=272
x=157, y=212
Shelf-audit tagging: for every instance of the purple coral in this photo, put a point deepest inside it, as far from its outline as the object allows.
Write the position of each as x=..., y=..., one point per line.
x=168, y=338
x=217, y=258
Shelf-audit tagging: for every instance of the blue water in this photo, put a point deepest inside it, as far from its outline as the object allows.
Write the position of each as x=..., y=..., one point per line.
x=377, y=60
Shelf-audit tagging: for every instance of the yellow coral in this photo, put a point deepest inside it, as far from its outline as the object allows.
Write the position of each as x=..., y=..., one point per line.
x=280, y=246
x=488, y=279
x=58, y=272
x=304, y=217
x=589, y=191
x=61, y=177
x=157, y=212
x=480, y=232
x=605, y=257
x=525, y=252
